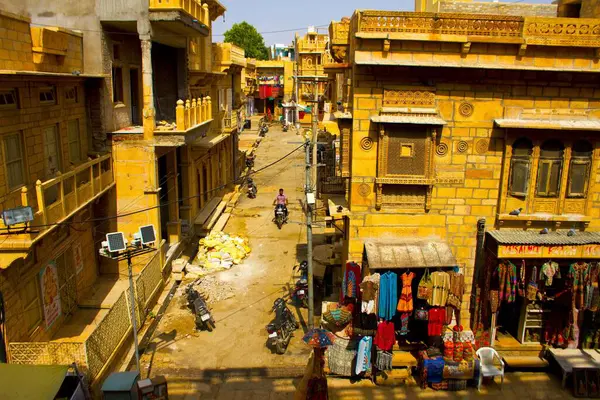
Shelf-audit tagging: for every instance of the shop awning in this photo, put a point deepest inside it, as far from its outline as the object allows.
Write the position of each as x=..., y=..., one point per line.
x=408, y=253
x=566, y=124
x=31, y=382
x=548, y=239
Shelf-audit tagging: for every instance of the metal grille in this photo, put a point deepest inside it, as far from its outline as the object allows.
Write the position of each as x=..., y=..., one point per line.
x=407, y=151
x=328, y=181
x=107, y=336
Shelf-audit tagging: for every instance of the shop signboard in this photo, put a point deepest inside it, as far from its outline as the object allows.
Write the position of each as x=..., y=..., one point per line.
x=50, y=293
x=558, y=251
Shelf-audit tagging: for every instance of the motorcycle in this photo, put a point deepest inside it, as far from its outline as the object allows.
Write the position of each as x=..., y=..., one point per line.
x=251, y=189
x=281, y=329
x=204, y=319
x=250, y=162
x=300, y=292
x=280, y=217
x=263, y=130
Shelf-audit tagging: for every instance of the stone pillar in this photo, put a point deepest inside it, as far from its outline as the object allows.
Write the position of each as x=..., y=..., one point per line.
x=148, y=89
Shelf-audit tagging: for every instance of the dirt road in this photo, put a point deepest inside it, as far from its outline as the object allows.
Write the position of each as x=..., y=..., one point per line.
x=195, y=363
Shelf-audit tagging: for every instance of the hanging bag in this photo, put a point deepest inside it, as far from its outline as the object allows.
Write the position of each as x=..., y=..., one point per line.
x=425, y=286
x=421, y=314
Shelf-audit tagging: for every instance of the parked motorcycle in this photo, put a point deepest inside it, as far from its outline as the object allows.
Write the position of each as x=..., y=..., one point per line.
x=281, y=329
x=204, y=319
x=250, y=162
x=280, y=217
x=300, y=292
x=263, y=130
x=251, y=189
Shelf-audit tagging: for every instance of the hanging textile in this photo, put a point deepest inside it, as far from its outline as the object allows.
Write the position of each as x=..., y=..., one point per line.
x=369, y=290
x=383, y=360
x=579, y=274
x=405, y=304
x=341, y=355
x=404, y=320
x=457, y=289
x=352, y=278
x=507, y=277
x=363, y=355
x=549, y=271
x=437, y=319
x=388, y=295
x=441, y=285
x=386, y=336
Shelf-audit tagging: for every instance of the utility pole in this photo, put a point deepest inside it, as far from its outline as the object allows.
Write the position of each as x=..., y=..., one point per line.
x=309, y=250
x=133, y=318
x=315, y=122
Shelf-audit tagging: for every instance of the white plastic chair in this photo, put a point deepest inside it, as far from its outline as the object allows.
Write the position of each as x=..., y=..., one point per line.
x=486, y=357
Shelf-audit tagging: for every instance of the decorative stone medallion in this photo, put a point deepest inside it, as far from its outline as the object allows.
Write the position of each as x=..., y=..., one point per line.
x=482, y=146
x=366, y=143
x=466, y=109
x=364, y=190
x=462, y=146
x=441, y=149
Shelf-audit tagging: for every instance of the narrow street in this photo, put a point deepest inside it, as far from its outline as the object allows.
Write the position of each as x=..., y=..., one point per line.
x=194, y=362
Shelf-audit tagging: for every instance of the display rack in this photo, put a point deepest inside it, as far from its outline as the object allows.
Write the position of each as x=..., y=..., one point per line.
x=531, y=322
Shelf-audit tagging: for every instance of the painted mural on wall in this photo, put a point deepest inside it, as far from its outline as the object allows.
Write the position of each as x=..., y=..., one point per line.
x=50, y=293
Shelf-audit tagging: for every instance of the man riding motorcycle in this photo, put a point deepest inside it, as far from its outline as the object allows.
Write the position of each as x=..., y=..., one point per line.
x=281, y=199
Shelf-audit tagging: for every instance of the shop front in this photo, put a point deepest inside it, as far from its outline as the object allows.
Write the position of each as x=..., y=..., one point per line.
x=398, y=310
x=541, y=288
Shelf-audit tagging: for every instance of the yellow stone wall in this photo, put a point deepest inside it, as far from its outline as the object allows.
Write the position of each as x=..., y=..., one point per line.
x=469, y=165
x=14, y=279
x=29, y=118
x=19, y=42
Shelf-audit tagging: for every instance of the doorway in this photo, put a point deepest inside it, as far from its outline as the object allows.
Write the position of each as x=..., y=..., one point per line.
x=52, y=162
x=204, y=184
x=134, y=84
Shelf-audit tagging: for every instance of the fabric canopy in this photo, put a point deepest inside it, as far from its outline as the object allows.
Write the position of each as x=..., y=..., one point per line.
x=31, y=382
x=408, y=253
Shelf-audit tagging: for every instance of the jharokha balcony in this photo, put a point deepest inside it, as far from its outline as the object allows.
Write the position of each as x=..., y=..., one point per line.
x=186, y=17
x=56, y=200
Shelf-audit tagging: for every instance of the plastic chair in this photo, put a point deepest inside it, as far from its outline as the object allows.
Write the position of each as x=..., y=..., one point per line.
x=486, y=357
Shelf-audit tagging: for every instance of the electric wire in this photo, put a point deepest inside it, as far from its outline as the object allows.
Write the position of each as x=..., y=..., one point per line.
x=238, y=180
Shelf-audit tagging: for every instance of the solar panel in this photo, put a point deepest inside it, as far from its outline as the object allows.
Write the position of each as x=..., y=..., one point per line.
x=148, y=234
x=116, y=241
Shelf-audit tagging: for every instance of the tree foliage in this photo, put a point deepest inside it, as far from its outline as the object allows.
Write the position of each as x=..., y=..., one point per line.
x=248, y=38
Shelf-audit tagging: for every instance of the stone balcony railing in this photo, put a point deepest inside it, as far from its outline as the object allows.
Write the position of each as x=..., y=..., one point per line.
x=227, y=54
x=194, y=8
x=230, y=121
x=59, y=198
x=189, y=114
x=312, y=45
x=481, y=28
x=338, y=32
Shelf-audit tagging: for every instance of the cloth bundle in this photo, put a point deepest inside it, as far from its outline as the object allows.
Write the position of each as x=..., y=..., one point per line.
x=383, y=361
x=341, y=355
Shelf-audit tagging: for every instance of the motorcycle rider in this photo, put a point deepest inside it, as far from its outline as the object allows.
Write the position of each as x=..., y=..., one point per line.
x=281, y=199
x=251, y=187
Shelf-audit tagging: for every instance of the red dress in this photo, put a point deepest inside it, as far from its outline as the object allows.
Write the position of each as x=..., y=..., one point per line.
x=386, y=336
x=437, y=319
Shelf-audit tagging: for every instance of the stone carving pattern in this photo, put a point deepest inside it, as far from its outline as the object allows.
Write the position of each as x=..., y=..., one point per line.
x=405, y=198
x=482, y=146
x=561, y=31
x=456, y=24
x=399, y=98
x=366, y=143
x=575, y=207
x=462, y=146
x=442, y=149
x=364, y=190
x=548, y=206
x=466, y=109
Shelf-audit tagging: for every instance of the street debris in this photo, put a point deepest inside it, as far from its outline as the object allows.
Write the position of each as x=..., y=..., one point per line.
x=166, y=126
x=218, y=251
x=211, y=288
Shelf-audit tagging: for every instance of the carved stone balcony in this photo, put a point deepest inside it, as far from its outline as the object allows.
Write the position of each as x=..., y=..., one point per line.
x=187, y=17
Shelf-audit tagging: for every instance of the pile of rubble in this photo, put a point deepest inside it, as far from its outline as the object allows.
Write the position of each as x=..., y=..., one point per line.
x=212, y=289
x=166, y=126
x=219, y=251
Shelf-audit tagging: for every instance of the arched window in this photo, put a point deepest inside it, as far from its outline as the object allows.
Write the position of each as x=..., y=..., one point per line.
x=520, y=164
x=579, y=170
x=550, y=168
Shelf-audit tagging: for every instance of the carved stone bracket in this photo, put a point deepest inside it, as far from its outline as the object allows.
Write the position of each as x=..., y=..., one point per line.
x=386, y=46
x=522, y=49
x=378, y=196
x=428, y=197
x=465, y=49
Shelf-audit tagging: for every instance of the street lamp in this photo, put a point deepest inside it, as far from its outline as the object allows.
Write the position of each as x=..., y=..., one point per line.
x=116, y=248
